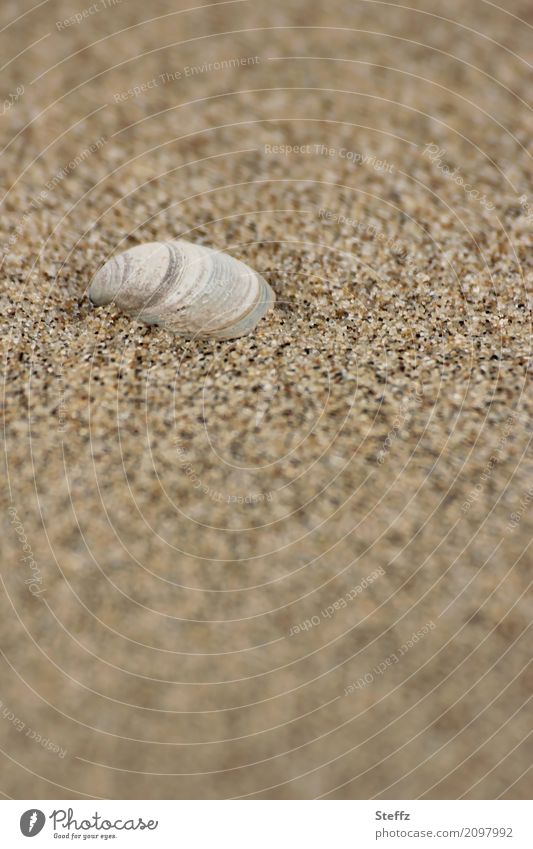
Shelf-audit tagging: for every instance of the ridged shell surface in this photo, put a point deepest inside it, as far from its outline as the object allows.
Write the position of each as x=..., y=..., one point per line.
x=190, y=289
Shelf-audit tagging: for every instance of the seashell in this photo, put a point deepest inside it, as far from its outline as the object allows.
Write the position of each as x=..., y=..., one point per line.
x=192, y=290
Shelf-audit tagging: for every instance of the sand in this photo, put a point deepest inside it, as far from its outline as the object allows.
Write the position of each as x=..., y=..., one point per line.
x=295, y=564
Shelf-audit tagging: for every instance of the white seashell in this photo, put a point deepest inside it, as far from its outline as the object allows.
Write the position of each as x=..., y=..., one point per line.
x=189, y=289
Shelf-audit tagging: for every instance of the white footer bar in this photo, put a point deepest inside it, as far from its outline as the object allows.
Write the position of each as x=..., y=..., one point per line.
x=268, y=824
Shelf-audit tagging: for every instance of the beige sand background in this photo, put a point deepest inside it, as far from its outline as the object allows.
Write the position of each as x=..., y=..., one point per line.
x=186, y=506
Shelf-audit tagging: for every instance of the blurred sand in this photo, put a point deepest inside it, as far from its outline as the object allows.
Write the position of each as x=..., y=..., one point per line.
x=188, y=505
